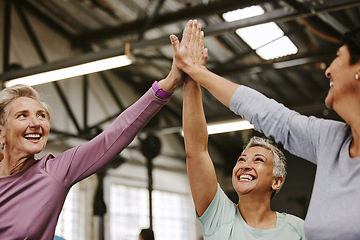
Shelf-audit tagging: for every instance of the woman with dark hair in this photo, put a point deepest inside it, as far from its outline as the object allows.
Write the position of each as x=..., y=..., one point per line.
x=334, y=146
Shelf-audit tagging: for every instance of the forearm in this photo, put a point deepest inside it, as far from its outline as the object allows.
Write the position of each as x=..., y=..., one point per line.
x=76, y=164
x=172, y=81
x=221, y=88
x=194, y=122
x=200, y=169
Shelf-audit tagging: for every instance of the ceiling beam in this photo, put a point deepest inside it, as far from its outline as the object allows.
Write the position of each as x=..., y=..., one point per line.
x=49, y=21
x=165, y=19
x=276, y=16
x=217, y=7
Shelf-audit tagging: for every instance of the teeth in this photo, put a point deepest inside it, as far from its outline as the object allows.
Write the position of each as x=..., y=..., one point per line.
x=246, y=177
x=331, y=84
x=32, y=136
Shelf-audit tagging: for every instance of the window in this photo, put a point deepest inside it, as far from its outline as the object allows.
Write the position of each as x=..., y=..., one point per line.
x=68, y=223
x=128, y=211
x=173, y=214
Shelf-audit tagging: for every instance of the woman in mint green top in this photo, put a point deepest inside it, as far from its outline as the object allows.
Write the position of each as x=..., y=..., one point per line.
x=223, y=220
x=258, y=174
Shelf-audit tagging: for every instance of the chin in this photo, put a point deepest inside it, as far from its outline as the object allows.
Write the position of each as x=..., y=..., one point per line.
x=328, y=103
x=328, y=106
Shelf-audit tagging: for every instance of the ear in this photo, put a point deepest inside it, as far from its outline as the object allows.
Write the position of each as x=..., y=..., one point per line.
x=2, y=134
x=277, y=183
x=357, y=70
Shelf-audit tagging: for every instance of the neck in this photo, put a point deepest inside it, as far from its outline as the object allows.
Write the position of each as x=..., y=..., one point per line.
x=349, y=111
x=352, y=118
x=256, y=212
x=9, y=166
x=354, y=150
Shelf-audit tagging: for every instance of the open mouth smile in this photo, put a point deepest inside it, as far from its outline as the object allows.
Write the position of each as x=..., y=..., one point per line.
x=32, y=136
x=246, y=177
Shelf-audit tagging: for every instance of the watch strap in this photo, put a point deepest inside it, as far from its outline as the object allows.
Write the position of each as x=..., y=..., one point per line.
x=159, y=92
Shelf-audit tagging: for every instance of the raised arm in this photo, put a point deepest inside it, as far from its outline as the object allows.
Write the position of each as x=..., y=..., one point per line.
x=80, y=162
x=201, y=172
x=200, y=169
x=187, y=56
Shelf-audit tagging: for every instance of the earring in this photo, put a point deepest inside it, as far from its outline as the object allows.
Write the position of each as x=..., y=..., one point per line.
x=356, y=76
x=1, y=145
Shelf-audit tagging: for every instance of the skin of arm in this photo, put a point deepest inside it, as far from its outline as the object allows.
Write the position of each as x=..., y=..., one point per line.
x=173, y=80
x=200, y=169
x=187, y=56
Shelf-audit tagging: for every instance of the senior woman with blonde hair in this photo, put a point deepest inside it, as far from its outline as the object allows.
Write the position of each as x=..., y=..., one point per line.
x=32, y=190
x=334, y=146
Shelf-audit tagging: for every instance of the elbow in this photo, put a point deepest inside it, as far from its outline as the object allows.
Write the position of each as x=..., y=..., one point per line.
x=195, y=153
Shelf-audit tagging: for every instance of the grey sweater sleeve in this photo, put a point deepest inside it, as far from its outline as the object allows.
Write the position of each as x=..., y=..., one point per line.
x=296, y=132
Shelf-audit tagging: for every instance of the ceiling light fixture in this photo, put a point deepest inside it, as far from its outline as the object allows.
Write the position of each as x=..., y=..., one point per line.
x=227, y=126
x=74, y=71
x=267, y=39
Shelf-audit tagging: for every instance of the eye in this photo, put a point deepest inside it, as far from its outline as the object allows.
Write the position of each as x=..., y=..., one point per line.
x=259, y=160
x=241, y=159
x=41, y=115
x=21, y=115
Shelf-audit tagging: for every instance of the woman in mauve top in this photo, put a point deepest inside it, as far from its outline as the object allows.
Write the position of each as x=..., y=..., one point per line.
x=33, y=191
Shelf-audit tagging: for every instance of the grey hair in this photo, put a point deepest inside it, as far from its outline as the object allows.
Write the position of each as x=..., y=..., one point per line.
x=279, y=157
x=9, y=94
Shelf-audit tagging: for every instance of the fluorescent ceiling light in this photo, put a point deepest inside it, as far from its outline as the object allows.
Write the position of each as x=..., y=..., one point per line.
x=268, y=40
x=260, y=35
x=279, y=48
x=73, y=71
x=243, y=13
x=227, y=126
x=222, y=127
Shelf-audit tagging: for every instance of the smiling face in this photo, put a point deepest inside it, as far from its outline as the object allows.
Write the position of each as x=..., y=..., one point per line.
x=26, y=128
x=253, y=172
x=342, y=79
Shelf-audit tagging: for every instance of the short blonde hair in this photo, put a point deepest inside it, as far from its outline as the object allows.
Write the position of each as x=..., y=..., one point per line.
x=7, y=95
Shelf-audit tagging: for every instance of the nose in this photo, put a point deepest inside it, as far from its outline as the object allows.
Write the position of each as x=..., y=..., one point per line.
x=34, y=122
x=327, y=72
x=245, y=167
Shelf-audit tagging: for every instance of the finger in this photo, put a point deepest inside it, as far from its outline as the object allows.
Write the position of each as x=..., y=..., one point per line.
x=175, y=42
x=205, y=56
x=198, y=42
x=187, y=33
x=202, y=39
x=197, y=30
x=193, y=31
x=201, y=43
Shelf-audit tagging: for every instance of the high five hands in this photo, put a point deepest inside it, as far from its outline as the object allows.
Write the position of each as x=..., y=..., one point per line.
x=190, y=54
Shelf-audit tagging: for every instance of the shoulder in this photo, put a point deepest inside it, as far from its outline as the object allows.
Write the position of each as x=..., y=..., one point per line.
x=291, y=221
x=221, y=206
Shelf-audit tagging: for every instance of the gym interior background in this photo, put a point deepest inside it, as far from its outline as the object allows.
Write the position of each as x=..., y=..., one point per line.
x=43, y=35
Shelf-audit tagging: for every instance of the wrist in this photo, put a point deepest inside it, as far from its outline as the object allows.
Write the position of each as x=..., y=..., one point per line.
x=194, y=70
x=159, y=92
x=170, y=83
